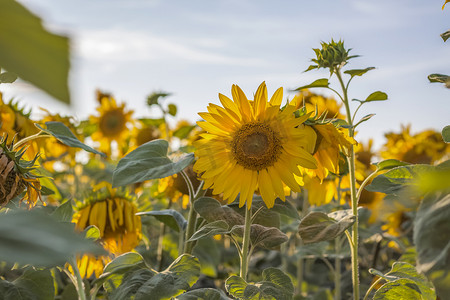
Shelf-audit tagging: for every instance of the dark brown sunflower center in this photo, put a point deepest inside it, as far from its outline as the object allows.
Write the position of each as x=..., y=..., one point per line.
x=112, y=123
x=256, y=146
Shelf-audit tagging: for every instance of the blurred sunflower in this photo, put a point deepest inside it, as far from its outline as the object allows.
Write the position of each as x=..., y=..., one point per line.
x=16, y=176
x=251, y=145
x=114, y=213
x=321, y=104
x=52, y=149
x=319, y=192
x=397, y=218
x=112, y=124
x=15, y=122
x=143, y=133
x=426, y=147
x=175, y=188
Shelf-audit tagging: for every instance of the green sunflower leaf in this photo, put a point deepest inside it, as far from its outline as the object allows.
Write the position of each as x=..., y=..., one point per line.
x=376, y=96
x=393, y=181
x=358, y=72
x=203, y=294
x=172, y=109
x=318, y=227
x=65, y=136
x=7, y=77
x=33, y=53
x=399, y=289
x=114, y=272
x=445, y=35
x=38, y=282
x=275, y=286
x=33, y=237
x=319, y=83
x=438, y=78
x=183, y=132
x=211, y=210
x=211, y=229
x=364, y=119
x=432, y=240
x=262, y=236
x=173, y=281
x=389, y=164
x=209, y=254
x=170, y=217
x=10, y=291
x=64, y=212
x=446, y=134
x=148, y=161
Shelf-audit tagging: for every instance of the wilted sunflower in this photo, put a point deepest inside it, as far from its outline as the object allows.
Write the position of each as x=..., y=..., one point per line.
x=114, y=214
x=252, y=145
x=16, y=176
x=112, y=124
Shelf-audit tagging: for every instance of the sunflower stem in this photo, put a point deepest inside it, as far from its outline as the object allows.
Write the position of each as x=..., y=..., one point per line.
x=337, y=269
x=192, y=217
x=246, y=243
x=354, y=199
x=372, y=287
x=40, y=134
x=301, y=260
x=78, y=280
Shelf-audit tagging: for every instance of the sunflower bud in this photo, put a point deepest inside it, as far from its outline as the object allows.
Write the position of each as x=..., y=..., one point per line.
x=333, y=56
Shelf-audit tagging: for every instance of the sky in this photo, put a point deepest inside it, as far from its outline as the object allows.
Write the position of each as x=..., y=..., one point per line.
x=199, y=48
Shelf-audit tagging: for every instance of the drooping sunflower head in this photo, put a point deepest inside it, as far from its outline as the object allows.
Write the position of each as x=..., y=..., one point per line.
x=114, y=213
x=112, y=122
x=331, y=144
x=253, y=145
x=16, y=175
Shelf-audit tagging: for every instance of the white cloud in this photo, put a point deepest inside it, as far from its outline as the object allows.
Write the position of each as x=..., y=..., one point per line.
x=121, y=45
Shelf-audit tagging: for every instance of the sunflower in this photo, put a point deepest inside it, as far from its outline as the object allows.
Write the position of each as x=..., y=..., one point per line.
x=16, y=176
x=16, y=123
x=253, y=145
x=331, y=142
x=319, y=192
x=112, y=124
x=114, y=214
x=175, y=188
x=321, y=104
x=425, y=147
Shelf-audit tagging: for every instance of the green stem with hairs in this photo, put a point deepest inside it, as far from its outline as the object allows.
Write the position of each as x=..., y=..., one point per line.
x=245, y=257
x=354, y=199
x=192, y=217
x=40, y=134
x=77, y=280
x=372, y=287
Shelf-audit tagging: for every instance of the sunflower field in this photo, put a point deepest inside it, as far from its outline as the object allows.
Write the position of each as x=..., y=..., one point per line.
x=265, y=197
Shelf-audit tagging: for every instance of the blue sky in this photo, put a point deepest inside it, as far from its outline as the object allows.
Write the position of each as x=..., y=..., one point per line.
x=196, y=49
